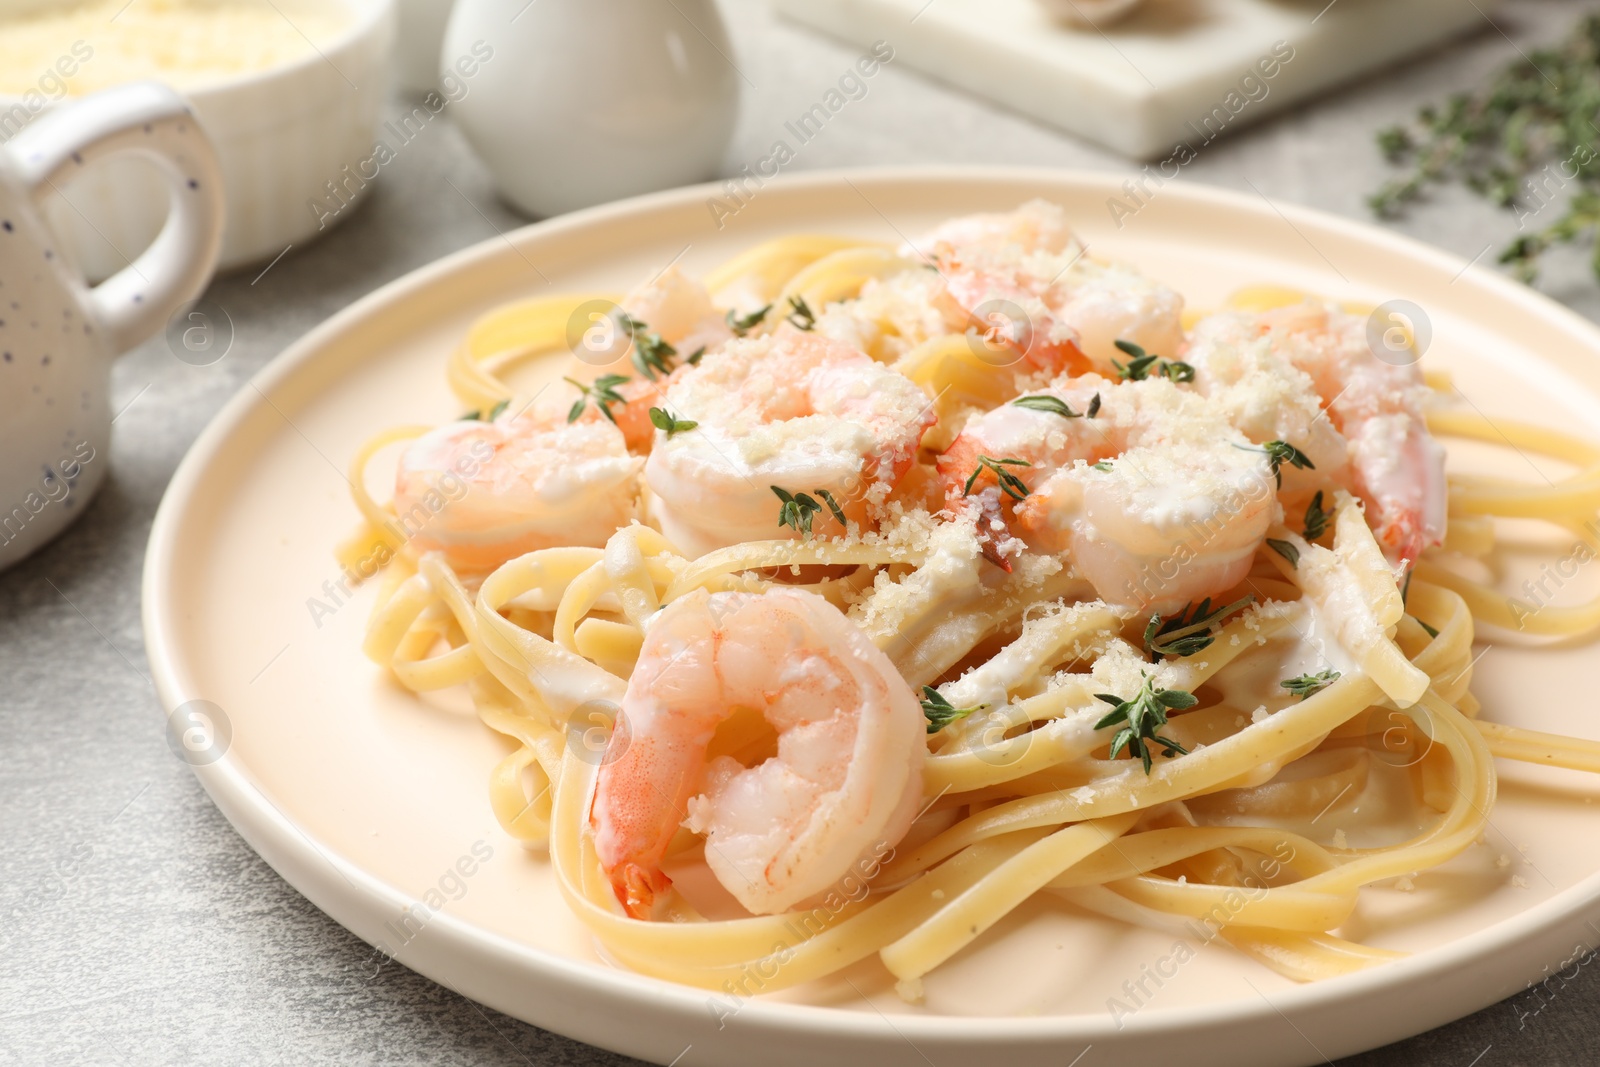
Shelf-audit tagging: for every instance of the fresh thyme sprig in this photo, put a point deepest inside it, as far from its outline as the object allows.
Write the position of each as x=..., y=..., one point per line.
x=833, y=507
x=940, y=712
x=603, y=393
x=1013, y=486
x=1094, y=406
x=1144, y=715
x=1528, y=128
x=1316, y=518
x=1104, y=466
x=1053, y=405
x=1285, y=549
x=693, y=358
x=651, y=354
x=662, y=419
x=1279, y=453
x=743, y=324
x=799, y=509
x=1189, y=631
x=1310, y=684
x=1138, y=367
x=494, y=412
x=800, y=314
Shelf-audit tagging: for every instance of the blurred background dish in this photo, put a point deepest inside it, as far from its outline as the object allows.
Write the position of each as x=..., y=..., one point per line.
x=1092, y=13
x=288, y=90
x=416, y=50
x=593, y=100
x=1167, y=78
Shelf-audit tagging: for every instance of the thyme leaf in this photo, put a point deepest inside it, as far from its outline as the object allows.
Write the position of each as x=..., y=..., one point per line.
x=662, y=419
x=800, y=314
x=603, y=393
x=1310, y=684
x=1285, y=549
x=1013, y=486
x=940, y=712
x=1316, y=518
x=651, y=354
x=1144, y=714
x=1279, y=453
x=1189, y=631
x=743, y=324
x=1051, y=404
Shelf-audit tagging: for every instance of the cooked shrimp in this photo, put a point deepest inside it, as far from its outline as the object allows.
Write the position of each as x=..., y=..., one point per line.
x=673, y=316
x=1395, y=466
x=842, y=789
x=1074, y=306
x=791, y=409
x=484, y=492
x=1266, y=398
x=1156, y=499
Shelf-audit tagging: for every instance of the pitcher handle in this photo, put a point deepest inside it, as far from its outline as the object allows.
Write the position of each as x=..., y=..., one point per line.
x=149, y=119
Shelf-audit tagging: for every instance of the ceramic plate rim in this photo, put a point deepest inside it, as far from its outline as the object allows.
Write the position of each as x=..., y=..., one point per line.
x=266, y=829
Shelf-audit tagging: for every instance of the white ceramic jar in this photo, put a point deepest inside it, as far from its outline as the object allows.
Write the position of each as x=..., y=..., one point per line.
x=57, y=335
x=587, y=101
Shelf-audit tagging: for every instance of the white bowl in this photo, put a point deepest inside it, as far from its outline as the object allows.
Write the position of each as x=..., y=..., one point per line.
x=284, y=136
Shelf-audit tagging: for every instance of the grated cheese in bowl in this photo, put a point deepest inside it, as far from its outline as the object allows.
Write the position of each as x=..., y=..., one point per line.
x=185, y=43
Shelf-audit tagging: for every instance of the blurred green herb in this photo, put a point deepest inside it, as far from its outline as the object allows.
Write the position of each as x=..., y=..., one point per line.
x=1519, y=140
x=651, y=354
x=603, y=392
x=743, y=324
x=662, y=419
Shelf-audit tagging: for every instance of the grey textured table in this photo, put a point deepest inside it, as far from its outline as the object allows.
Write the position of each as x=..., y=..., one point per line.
x=137, y=928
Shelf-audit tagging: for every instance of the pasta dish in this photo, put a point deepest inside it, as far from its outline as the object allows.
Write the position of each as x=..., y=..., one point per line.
x=837, y=603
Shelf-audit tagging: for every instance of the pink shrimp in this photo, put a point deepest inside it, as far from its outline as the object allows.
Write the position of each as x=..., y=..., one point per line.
x=791, y=409
x=1394, y=465
x=845, y=782
x=1030, y=281
x=484, y=492
x=1155, y=498
x=630, y=362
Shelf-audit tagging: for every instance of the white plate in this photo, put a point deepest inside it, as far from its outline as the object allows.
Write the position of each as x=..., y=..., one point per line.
x=365, y=799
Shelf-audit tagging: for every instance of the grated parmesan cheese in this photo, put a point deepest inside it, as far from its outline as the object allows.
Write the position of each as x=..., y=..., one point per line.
x=185, y=43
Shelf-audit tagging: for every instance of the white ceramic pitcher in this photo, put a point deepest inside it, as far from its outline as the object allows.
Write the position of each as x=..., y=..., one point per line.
x=58, y=336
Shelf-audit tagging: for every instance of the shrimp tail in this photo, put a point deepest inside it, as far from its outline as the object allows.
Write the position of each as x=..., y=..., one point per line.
x=638, y=888
x=991, y=516
x=956, y=465
x=1404, y=543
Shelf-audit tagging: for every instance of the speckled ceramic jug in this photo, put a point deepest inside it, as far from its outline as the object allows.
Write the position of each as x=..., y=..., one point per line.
x=58, y=336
